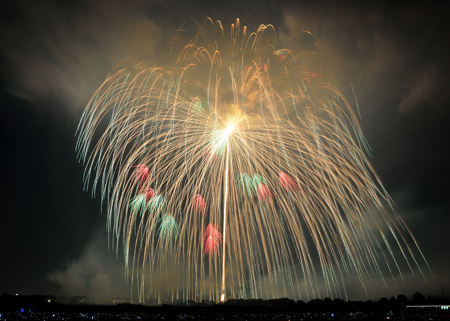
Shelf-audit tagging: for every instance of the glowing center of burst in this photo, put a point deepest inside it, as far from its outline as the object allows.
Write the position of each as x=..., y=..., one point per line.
x=228, y=131
x=222, y=298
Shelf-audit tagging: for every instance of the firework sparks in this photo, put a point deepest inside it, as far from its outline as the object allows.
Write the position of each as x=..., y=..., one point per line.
x=217, y=133
x=141, y=174
x=199, y=203
x=287, y=182
x=168, y=227
x=211, y=240
x=264, y=193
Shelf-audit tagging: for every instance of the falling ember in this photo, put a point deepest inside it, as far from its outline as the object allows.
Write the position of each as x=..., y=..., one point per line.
x=211, y=240
x=141, y=174
x=238, y=130
x=157, y=204
x=149, y=193
x=264, y=193
x=139, y=203
x=168, y=228
x=245, y=184
x=199, y=203
x=287, y=182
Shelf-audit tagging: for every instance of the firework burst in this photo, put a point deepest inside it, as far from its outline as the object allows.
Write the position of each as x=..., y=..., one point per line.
x=241, y=168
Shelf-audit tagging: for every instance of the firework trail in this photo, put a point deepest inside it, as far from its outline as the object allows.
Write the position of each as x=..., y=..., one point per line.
x=232, y=169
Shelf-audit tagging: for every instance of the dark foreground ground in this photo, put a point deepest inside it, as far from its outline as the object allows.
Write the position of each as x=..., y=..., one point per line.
x=35, y=308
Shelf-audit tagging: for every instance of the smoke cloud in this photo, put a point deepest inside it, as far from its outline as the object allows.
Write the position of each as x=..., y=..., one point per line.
x=66, y=49
x=379, y=49
x=97, y=272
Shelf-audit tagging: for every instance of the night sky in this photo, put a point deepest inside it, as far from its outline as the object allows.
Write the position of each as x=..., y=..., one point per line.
x=55, y=54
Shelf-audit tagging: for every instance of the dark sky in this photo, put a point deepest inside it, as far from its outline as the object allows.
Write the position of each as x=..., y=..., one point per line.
x=55, y=54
